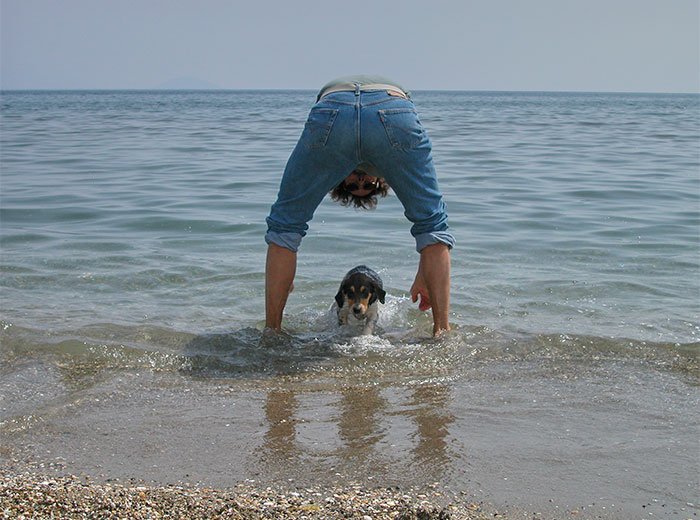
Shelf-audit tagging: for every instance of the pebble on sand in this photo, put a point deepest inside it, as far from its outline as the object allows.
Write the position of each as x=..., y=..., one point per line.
x=30, y=496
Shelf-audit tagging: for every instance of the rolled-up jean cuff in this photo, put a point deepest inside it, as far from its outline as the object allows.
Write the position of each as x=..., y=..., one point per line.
x=442, y=237
x=289, y=240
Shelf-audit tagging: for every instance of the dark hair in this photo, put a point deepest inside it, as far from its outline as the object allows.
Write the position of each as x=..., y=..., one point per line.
x=369, y=201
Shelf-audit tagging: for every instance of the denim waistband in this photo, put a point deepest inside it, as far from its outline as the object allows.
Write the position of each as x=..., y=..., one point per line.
x=350, y=87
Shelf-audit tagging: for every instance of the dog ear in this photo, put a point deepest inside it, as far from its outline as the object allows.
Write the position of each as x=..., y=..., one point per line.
x=339, y=299
x=377, y=294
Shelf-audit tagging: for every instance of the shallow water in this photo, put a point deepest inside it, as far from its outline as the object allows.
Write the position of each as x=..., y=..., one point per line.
x=132, y=272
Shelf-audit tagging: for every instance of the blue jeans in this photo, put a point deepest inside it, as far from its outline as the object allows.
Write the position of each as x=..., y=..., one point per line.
x=343, y=130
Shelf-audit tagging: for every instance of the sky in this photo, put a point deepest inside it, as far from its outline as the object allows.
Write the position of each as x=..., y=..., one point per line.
x=511, y=45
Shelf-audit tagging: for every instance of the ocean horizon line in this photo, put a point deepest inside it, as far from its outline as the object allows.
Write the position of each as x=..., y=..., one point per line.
x=223, y=90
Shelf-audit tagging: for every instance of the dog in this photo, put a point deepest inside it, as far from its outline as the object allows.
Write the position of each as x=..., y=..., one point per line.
x=358, y=295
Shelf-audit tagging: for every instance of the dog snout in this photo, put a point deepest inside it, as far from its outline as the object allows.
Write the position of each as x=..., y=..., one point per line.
x=357, y=309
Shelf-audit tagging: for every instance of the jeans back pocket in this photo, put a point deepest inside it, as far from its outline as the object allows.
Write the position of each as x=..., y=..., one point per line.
x=318, y=126
x=403, y=127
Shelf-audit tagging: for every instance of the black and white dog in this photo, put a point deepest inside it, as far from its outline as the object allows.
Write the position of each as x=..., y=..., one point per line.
x=357, y=297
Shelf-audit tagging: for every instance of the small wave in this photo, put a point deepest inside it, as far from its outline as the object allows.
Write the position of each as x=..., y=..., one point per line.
x=316, y=349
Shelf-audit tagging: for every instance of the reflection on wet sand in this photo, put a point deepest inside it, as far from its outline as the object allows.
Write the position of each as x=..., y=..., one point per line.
x=433, y=420
x=279, y=447
x=367, y=431
x=360, y=421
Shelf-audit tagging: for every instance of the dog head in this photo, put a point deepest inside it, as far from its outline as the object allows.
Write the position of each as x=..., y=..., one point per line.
x=360, y=288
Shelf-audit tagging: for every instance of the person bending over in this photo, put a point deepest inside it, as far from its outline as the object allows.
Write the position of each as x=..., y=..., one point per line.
x=361, y=137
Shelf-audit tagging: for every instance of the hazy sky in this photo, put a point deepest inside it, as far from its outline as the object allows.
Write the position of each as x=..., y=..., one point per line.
x=578, y=45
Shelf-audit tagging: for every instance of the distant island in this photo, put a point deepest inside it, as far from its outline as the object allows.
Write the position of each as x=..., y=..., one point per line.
x=187, y=83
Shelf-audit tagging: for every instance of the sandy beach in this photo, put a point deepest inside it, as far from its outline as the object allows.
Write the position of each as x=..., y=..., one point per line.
x=28, y=495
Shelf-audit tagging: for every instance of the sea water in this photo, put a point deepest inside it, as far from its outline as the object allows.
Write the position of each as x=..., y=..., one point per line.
x=132, y=275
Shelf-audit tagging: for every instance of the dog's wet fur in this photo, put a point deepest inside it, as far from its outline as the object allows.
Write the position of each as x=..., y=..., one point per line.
x=358, y=295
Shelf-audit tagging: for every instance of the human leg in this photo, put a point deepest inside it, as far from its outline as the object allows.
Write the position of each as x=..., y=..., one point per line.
x=398, y=146
x=321, y=159
x=435, y=270
x=280, y=269
x=396, y=143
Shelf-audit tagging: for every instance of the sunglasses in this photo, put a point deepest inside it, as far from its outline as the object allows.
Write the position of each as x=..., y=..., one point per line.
x=366, y=186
